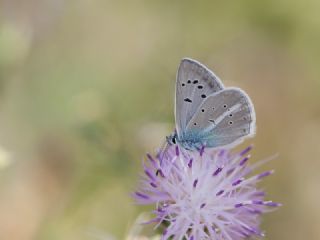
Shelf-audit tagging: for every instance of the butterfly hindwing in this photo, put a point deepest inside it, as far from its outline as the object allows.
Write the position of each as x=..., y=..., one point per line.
x=223, y=118
x=194, y=84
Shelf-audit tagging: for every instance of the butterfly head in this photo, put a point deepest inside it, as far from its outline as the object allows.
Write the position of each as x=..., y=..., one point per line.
x=172, y=139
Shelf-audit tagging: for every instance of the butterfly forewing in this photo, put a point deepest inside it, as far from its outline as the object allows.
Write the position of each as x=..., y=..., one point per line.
x=194, y=84
x=224, y=118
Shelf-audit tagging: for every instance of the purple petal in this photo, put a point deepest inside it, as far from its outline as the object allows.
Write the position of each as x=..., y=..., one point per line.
x=153, y=185
x=217, y=171
x=237, y=182
x=264, y=174
x=141, y=195
x=202, y=205
x=245, y=151
x=201, y=151
x=220, y=192
x=149, y=174
x=238, y=205
x=243, y=161
x=151, y=160
x=272, y=204
x=195, y=182
x=160, y=172
x=190, y=163
x=177, y=151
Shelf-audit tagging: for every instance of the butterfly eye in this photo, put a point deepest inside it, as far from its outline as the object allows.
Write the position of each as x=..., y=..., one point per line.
x=174, y=140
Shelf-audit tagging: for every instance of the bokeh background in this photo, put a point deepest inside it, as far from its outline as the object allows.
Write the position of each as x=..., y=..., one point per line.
x=86, y=88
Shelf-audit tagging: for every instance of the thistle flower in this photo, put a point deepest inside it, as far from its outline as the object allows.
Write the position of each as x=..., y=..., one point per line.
x=204, y=195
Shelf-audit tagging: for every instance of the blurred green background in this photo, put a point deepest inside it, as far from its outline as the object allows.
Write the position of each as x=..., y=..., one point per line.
x=87, y=87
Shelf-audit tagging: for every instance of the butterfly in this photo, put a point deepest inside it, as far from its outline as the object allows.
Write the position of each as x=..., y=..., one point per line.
x=208, y=114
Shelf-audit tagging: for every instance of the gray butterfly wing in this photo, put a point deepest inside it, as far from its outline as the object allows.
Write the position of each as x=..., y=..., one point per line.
x=194, y=83
x=224, y=118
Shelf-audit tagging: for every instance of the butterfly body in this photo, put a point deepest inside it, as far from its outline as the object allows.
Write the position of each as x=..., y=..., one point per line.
x=208, y=114
x=190, y=141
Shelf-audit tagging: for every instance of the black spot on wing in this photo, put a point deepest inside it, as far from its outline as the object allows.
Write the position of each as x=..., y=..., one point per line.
x=195, y=81
x=188, y=100
x=203, y=96
x=200, y=87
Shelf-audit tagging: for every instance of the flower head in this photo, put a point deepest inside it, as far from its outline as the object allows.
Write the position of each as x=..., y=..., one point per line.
x=204, y=195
